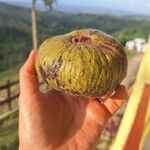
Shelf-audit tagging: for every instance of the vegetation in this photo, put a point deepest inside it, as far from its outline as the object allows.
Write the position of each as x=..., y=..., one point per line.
x=9, y=74
x=130, y=54
x=15, y=29
x=9, y=134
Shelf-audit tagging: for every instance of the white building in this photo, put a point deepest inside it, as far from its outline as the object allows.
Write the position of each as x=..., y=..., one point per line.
x=138, y=44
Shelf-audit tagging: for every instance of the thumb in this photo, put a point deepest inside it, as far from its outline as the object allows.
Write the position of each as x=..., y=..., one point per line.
x=28, y=77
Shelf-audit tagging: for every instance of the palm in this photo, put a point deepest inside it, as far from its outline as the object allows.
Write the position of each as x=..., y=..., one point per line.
x=51, y=120
x=64, y=120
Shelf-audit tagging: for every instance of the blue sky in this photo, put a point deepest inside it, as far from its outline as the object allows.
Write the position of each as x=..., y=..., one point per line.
x=135, y=6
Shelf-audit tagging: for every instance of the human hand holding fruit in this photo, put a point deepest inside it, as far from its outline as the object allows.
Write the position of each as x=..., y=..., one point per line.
x=55, y=120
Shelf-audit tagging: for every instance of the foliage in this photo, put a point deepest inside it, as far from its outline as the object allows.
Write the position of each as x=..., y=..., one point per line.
x=10, y=74
x=9, y=135
x=9, y=141
x=49, y=2
x=130, y=34
x=13, y=47
x=15, y=29
x=130, y=54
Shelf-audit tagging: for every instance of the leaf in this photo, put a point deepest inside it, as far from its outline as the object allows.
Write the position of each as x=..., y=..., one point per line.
x=49, y=2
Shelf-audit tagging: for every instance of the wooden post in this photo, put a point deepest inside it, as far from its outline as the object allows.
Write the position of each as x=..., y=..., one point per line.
x=136, y=132
x=34, y=26
x=9, y=95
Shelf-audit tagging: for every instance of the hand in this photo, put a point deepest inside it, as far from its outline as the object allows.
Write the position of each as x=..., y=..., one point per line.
x=55, y=120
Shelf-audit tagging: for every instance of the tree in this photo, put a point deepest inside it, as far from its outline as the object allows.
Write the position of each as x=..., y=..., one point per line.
x=34, y=24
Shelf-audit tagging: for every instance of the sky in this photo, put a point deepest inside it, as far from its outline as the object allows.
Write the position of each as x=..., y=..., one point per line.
x=133, y=6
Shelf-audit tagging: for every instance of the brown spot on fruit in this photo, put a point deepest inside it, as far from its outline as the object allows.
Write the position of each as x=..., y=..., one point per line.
x=43, y=73
x=69, y=80
x=75, y=40
x=54, y=68
x=57, y=82
x=81, y=39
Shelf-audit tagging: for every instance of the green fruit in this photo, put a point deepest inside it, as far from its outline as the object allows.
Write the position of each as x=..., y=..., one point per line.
x=84, y=62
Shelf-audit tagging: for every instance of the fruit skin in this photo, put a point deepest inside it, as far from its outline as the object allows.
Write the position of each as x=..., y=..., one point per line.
x=85, y=62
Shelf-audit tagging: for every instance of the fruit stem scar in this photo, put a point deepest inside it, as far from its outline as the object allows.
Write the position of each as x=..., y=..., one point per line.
x=80, y=39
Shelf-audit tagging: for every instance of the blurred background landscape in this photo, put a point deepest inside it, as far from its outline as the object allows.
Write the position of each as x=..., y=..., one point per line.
x=128, y=21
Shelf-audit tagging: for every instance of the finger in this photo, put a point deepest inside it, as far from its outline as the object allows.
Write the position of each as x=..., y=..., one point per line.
x=120, y=92
x=120, y=95
x=28, y=78
x=29, y=64
x=114, y=102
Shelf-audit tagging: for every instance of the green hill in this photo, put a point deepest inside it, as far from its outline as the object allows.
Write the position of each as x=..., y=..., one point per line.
x=15, y=29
